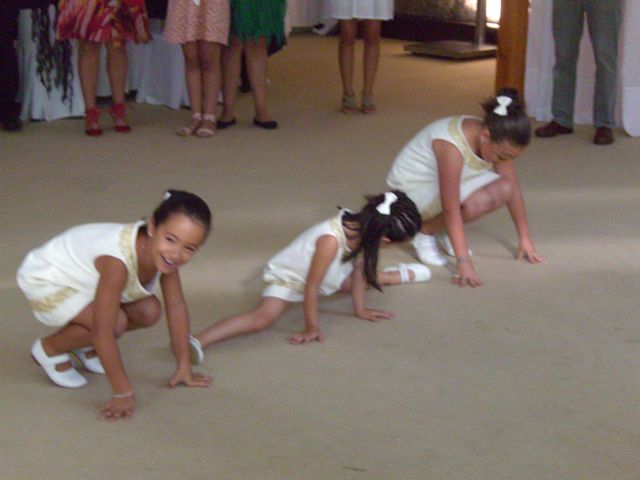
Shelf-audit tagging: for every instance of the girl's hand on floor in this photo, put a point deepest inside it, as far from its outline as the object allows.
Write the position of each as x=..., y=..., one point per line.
x=528, y=253
x=118, y=409
x=374, y=315
x=466, y=275
x=306, y=336
x=190, y=379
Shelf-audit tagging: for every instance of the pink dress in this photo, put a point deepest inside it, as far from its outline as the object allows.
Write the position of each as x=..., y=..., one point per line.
x=188, y=21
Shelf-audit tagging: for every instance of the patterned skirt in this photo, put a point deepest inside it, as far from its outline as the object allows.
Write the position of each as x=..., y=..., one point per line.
x=103, y=21
x=188, y=22
x=251, y=19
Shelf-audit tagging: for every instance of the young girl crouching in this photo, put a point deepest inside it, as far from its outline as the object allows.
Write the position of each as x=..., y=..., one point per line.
x=96, y=281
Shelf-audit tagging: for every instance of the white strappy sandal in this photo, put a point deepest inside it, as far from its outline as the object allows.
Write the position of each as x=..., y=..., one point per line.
x=421, y=273
x=70, y=378
x=186, y=130
x=205, y=132
x=196, y=355
x=92, y=364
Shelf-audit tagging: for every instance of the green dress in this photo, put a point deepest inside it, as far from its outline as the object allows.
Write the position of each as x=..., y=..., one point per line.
x=251, y=19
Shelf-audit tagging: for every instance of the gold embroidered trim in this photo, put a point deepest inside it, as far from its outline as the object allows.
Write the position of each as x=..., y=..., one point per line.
x=50, y=302
x=126, y=242
x=471, y=160
x=296, y=286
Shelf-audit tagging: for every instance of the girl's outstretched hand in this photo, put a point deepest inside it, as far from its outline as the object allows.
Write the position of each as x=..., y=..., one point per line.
x=466, y=275
x=528, y=253
x=118, y=409
x=190, y=379
x=374, y=315
x=308, y=335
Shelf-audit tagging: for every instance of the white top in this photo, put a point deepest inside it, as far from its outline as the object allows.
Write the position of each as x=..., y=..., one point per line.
x=60, y=278
x=415, y=169
x=362, y=9
x=290, y=267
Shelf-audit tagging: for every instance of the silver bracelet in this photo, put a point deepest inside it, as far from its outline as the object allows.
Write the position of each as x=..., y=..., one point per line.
x=123, y=395
x=463, y=258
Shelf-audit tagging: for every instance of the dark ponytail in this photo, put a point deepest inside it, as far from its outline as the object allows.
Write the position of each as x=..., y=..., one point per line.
x=401, y=223
x=189, y=204
x=514, y=126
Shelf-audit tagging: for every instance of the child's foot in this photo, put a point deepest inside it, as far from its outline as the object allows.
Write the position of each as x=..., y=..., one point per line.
x=207, y=127
x=58, y=367
x=349, y=104
x=196, y=355
x=187, y=130
x=427, y=250
x=368, y=106
x=411, y=272
x=89, y=358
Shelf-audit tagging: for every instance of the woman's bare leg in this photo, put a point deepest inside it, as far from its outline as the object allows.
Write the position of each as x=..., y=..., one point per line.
x=231, y=66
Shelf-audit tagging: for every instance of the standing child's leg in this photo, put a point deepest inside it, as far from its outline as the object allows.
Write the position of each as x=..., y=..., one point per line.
x=231, y=65
x=256, y=54
x=209, y=57
x=88, y=66
x=268, y=311
x=117, y=70
x=346, y=52
x=193, y=80
x=371, y=57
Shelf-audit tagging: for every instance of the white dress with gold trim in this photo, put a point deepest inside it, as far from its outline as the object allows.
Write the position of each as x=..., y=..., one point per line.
x=59, y=278
x=286, y=273
x=415, y=169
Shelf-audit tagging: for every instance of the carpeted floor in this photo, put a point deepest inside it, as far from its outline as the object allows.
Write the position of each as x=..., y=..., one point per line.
x=535, y=375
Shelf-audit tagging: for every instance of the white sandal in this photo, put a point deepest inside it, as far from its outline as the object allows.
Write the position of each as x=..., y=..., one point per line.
x=69, y=378
x=427, y=249
x=92, y=364
x=196, y=355
x=204, y=132
x=444, y=242
x=185, y=131
x=421, y=273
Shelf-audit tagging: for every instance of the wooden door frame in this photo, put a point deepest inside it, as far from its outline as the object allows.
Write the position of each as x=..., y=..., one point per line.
x=512, y=45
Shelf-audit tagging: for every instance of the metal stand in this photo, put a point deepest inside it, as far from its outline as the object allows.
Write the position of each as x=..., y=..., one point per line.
x=457, y=50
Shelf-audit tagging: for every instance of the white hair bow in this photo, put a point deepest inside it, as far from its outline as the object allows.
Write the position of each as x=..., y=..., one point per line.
x=503, y=103
x=166, y=196
x=385, y=207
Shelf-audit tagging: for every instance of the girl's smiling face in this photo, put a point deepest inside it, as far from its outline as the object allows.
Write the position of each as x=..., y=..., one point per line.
x=175, y=241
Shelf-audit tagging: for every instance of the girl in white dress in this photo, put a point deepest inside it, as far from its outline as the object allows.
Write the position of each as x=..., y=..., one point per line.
x=96, y=281
x=322, y=260
x=458, y=169
x=369, y=14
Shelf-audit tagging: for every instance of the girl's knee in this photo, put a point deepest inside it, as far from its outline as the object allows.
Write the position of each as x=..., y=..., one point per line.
x=260, y=322
x=147, y=312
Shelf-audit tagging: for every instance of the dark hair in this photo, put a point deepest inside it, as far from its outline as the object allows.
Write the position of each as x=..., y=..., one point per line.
x=189, y=204
x=402, y=223
x=514, y=127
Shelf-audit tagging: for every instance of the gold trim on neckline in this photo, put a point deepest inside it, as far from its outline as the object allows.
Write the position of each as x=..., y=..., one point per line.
x=471, y=160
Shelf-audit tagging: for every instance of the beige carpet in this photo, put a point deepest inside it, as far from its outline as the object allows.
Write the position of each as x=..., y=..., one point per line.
x=536, y=375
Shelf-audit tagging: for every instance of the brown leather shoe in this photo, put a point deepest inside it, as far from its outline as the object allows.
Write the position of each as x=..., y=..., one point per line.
x=603, y=136
x=552, y=129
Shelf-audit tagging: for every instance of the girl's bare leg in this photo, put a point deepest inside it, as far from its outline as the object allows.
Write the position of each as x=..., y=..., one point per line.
x=210, y=69
x=371, y=56
x=88, y=66
x=256, y=55
x=268, y=311
x=117, y=70
x=77, y=333
x=346, y=49
x=231, y=66
x=481, y=202
x=193, y=79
